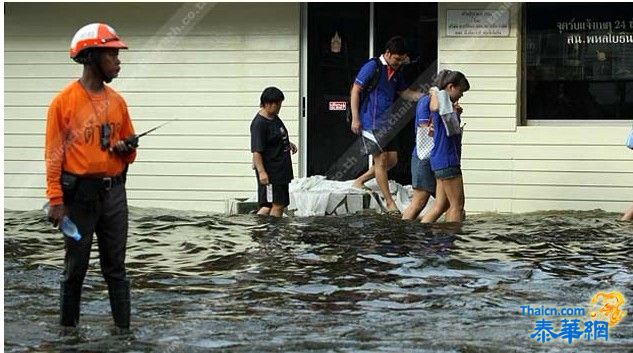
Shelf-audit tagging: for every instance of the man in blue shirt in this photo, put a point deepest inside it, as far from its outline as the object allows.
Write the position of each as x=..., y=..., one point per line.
x=374, y=121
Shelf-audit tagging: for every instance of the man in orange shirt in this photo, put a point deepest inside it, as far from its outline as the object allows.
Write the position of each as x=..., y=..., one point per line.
x=86, y=165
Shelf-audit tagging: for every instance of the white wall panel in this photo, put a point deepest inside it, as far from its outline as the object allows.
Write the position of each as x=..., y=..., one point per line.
x=513, y=168
x=208, y=74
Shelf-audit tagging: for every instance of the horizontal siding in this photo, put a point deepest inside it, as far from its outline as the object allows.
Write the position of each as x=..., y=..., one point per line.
x=493, y=204
x=69, y=70
x=553, y=135
x=210, y=142
x=155, y=195
x=481, y=69
x=490, y=64
x=160, y=114
x=487, y=83
x=135, y=56
x=487, y=124
x=179, y=127
x=546, y=178
x=157, y=181
x=457, y=44
x=568, y=193
x=235, y=42
x=29, y=173
x=540, y=165
x=172, y=18
x=510, y=168
x=194, y=155
x=488, y=97
x=480, y=56
x=30, y=203
x=476, y=109
x=562, y=179
x=143, y=167
x=153, y=84
x=156, y=99
x=154, y=182
x=209, y=77
x=538, y=151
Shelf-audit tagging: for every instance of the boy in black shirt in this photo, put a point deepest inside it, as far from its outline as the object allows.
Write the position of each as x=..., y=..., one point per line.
x=271, y=154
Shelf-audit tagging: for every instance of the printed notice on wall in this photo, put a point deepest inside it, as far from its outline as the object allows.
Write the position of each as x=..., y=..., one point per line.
x=477, y=23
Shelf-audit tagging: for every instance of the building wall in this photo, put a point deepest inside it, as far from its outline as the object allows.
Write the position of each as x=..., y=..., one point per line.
x=205, y=64
x=510, y=167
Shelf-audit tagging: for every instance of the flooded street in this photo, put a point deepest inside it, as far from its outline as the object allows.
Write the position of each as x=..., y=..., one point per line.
x=361, y=283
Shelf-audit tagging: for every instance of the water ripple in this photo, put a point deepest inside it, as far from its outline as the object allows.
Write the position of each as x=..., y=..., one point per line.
x=362, y=283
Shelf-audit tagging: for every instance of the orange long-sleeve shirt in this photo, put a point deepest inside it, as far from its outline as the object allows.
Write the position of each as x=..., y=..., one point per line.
x=73, y=139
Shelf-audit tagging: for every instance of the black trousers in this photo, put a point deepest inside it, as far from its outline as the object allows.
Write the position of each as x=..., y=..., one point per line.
x=106, y=215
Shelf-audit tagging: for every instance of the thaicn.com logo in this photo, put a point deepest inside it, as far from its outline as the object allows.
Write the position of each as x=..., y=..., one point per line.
x=573, y=324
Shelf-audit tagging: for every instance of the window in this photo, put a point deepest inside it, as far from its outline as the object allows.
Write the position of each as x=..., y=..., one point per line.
x=579, y=61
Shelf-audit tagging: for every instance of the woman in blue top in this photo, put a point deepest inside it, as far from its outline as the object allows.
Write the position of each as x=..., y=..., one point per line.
x=422, y=177
x=447, y=150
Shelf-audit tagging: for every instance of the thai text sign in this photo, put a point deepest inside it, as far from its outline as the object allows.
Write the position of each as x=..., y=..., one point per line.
x=477, y=23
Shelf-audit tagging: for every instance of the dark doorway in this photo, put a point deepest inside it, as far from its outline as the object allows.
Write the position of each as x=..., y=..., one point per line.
x=332, y=68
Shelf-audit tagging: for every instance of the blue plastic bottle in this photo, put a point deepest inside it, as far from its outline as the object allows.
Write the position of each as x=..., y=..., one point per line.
x=67, y=226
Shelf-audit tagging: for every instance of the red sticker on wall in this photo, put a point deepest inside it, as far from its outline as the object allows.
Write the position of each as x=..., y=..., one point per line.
x=338, y=105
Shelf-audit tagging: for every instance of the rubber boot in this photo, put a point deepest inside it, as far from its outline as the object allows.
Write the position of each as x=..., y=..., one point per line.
x=69, y=300
x=119, y=292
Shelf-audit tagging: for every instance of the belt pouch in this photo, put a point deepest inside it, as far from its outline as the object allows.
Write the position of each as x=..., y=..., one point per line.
x=69, y=186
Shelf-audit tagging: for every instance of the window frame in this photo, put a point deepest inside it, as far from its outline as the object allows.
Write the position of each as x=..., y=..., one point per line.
x=524, y=120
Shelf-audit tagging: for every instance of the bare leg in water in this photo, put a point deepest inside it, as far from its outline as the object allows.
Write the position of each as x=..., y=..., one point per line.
x=418, y=202
x=439, y=207
x=628, y=214
x=382, y=162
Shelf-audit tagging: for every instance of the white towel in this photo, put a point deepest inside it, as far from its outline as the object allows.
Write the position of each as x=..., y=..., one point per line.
x=448, y=115
x=446, y=106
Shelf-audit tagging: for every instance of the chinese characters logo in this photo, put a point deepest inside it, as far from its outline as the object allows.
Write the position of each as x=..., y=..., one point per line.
x=606, y=311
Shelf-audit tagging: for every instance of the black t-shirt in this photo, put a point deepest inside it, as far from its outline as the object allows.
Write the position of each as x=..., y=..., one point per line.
x=270, y=138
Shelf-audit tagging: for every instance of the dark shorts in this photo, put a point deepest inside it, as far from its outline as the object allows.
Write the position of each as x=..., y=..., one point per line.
x=371, y=147
x=278, y=194
x=393, y=145
x=422, y=175
x=448, y=173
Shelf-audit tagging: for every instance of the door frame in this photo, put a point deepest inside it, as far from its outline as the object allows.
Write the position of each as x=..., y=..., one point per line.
x=303, y=92
x=303, y=82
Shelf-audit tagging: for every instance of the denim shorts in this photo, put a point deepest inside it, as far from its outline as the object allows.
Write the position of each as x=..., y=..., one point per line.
x=448, y=173
x=422, y=175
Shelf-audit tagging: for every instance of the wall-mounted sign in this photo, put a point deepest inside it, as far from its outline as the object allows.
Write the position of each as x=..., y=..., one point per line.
x=478, y=23
x=337, y=105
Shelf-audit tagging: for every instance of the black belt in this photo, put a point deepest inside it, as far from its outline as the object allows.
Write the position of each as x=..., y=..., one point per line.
x=106, y=182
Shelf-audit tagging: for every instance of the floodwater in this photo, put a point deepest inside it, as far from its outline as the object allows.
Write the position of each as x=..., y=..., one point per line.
x=361, y=283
